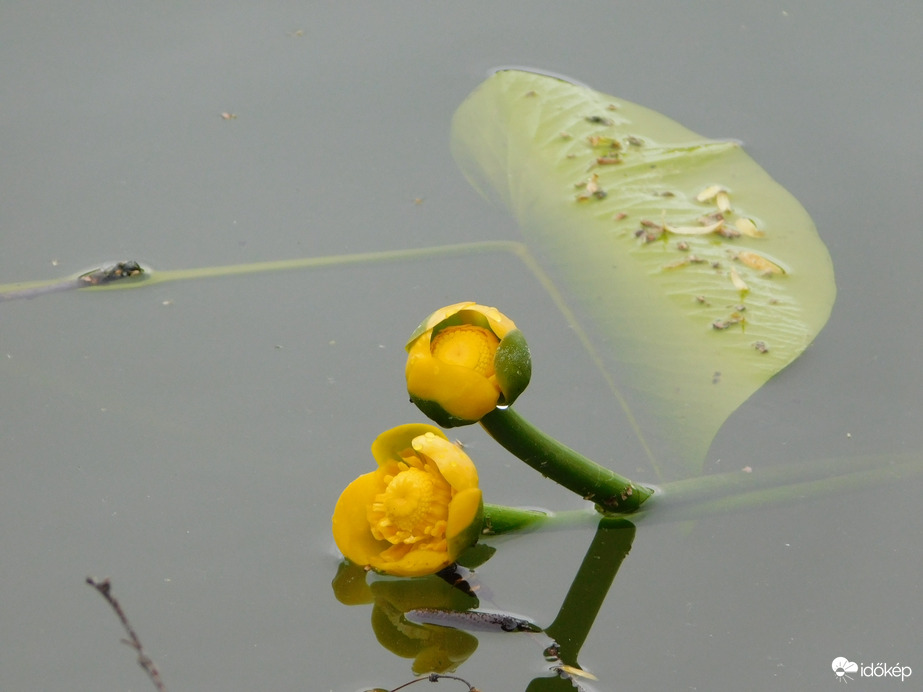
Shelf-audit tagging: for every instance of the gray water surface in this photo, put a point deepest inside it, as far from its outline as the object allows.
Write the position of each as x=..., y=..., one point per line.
x=189, y=439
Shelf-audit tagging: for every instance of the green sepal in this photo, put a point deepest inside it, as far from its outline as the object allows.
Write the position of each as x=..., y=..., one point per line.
x=469, y=536
x=434, y=411
x=513, y=366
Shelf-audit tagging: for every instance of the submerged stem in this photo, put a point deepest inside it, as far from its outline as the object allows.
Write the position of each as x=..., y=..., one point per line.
x=610, y=491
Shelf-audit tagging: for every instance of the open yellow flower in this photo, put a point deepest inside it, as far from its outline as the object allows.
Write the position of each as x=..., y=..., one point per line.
x=463, y=361
x=417, y=512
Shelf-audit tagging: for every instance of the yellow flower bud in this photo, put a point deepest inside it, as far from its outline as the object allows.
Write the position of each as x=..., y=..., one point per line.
x=463, y=361
x=417, y=512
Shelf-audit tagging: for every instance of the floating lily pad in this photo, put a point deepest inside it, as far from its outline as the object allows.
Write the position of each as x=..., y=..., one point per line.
x=696, y=276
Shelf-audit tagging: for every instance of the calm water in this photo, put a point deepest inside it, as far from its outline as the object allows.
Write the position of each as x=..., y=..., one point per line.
x=189, y=439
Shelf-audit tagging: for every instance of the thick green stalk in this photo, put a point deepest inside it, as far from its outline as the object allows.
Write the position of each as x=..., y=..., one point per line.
x=500, y=519
x=610, y=491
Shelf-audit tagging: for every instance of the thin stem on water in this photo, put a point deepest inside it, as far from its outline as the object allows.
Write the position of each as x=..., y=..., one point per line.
x=149, y=277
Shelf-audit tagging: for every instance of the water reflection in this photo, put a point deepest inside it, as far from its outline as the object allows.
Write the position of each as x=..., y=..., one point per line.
x=444, y=647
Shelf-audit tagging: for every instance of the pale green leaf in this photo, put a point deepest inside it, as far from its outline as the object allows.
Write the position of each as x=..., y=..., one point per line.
x=619, y=203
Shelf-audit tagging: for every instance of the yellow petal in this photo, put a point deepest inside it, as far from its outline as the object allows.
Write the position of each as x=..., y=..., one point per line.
x=444, y=313
x=500, y=323
x=460, y=391
x=495, y=320
x=435, y=318
x=454, y=465
x=351, y=529
x=389, y=445
x=464, y=513
x=416, y=563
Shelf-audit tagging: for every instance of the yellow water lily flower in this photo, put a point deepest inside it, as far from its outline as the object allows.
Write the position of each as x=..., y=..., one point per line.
x=417, y=512
x=463, y=361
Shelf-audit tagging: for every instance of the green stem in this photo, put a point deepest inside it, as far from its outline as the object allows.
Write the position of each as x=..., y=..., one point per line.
x=610, y=491
x=737, y=491
x=500, y=519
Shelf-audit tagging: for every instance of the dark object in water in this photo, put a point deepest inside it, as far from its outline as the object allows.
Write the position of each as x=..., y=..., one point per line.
x=452, y=576
x=106, y=275
x=97, y=277
x=472, y=620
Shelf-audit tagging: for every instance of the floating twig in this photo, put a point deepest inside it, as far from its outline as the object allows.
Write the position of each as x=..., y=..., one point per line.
x=104, y=587
x=436, y=677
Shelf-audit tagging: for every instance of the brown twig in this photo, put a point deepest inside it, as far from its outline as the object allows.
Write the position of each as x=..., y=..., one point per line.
x=104, y=588
x=436, y=677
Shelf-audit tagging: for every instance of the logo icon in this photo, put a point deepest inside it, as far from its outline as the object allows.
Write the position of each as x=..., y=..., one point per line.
x=841, y=666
